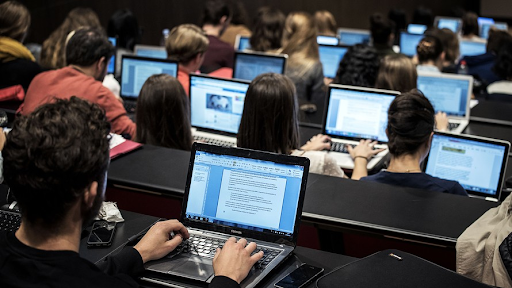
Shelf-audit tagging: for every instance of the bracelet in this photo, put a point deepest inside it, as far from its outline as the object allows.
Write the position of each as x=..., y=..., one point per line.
x=361, y=157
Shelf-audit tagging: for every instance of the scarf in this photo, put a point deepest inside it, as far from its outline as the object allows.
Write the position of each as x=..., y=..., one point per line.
x=11, y=49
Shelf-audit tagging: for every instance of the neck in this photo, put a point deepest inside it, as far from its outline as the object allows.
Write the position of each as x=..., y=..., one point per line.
x=89, y=71
x=187, y=68
x=405, y=164
x=212, y=30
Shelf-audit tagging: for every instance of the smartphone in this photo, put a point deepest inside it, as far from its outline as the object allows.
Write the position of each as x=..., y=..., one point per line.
x=300, y=277
x=102, y=234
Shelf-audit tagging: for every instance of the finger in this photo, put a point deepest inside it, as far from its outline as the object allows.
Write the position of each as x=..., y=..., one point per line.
x=174, y=242
x=350, y=149
x=377, y=151
x=254, y=258
x=174, y=226
x=242, y=242
x=250, y=247
x=326, y=146
x=230, y=241
x=217, y=253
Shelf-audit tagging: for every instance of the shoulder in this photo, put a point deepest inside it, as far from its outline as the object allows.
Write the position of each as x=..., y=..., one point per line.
x=446, y=186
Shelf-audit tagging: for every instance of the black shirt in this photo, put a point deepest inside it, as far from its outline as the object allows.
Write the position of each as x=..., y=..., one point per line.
x=18, y=72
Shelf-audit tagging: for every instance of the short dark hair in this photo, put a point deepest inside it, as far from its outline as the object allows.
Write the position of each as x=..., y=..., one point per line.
x=213, y=12
x=267, y=31
x=381, y=28
x=470, y=24
x=52, y=155
x=411, y=120
x=86, y=46
x=14, y=20
x=269, y=119
x=163, y=117
x=497, y=39
x=359, y=67
x=124, y=25
x=429, y=48
x=503, y=64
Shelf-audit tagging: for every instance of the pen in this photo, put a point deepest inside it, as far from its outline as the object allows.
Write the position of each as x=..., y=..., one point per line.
x=395, y=256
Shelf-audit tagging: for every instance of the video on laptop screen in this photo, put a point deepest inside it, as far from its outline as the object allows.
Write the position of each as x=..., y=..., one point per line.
x=216, y=103
x=353, y=37
x=409, y=42
x=135, y=71
x=244, y=193
x=484, y=29
x=358, y=114
x=452, y=24
x=331, y=56
x=151, y=52
x=471, y=48
x=327, y=40
x=446, y=94
x=248, y=66
x=112, y=63
x=475, y=165
x=243, y=43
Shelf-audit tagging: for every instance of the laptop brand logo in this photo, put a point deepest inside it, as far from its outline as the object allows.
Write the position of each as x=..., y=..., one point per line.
x=236, y=232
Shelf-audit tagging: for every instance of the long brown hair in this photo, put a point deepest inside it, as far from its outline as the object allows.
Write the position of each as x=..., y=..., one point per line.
x=397, y=72
x=14, y=20
x=299, y=41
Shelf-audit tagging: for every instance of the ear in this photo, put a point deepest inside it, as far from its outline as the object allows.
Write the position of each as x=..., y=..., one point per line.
x=100, y=63
x=442, y=56
x=90, y=194
x=223, y=20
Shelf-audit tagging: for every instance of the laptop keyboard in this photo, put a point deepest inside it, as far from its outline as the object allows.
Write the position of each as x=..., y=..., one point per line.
x=130, y=106
x=340, y=147
x=9, y=221
x=213, y=141
x=453, y=126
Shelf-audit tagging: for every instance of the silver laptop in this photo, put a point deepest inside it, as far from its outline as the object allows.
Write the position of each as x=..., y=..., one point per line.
x=477, y=163
x=150, y=51
x=216, y=107
x=242, y=42
x=472, y=48
x=233, y=192
x=331, y=56
x=452, y=23
x=449, y=93
x=349, y=36
x=248, y=65
x=355, y=113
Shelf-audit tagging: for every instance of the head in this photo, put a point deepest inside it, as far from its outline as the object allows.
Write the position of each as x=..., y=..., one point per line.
x=269, y=119
x=89, y=47
x=450, y=42
x=186, y=44
x=14, y=20
x=216, y=13
x=470, y=24
x=382, y=29
x=430, y=49
x=423, y=16
x=267, y=29
x=80, y=17
x=503, y=64
x=497, y=39
x=299, y=38
x=411, y=121
x=325, y=23
x=238, y=13
x=55, y=159
x=123, y=25
x=359, y=67
x=397, y=72
x=162, y=113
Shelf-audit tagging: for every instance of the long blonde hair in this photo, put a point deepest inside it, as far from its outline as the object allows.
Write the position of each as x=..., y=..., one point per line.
x=299, y=41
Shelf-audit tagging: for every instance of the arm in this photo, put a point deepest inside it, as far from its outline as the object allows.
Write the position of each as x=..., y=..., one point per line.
x=115, y=112
x=441, y=121
x=361, y=155
x=317, y=143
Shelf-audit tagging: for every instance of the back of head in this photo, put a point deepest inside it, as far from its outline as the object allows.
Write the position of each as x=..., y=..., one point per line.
x=411, y=120
x=163, y=117
x=14, y=20
x=450, y=42
x=299, y=39
x=397, y=72
x=381, y=29
x=503, y=64
x=423, y=16
x=267, y=29
x=359, y=67
x=185, y=42
x=269, y=119
x=238, y=12
x=398, y=16
x=325, y=23
x=52, y=155
x=429, y=49
x=124, y=25
x=88, y=45
x=213, y=12
x=470, y=24
x=497, y=39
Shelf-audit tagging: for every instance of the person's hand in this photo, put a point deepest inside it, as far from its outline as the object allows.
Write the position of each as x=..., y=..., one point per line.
x=317, y=143
x=157, y=242
x=364, y=149
x=234, y=260
x=327, y=81
x=441, y=121
x=2, y=138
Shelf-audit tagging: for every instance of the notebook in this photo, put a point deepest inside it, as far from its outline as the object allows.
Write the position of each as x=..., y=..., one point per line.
x=484, y=28
x=454, y=24
x=477, y=163
x=150, y=51
x=409, y=42
x=136, y=70
x=241, y=193
x=449, y=93
x=472, y=48
x=327, y=40
x=111, y=69
x=351, y=37
x=216, y=107
x=355, y=113
x=248, y=65
x=331, y=56
x=242, y=43
x=416, y=28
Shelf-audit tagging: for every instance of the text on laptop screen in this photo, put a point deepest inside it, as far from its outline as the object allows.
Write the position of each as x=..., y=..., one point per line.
x=244, y=43
x=416, y=28
x=157, y=52
x=452, y=24
x=471, y=48
x=446, y=94
x=475, y=165
x=112, y=63
x=327, y=40
x=358, y=114
x=248, y=66
x=245, y=193
x=353, y=37
x=136, y=71
x=216, y=103
x=331, y=56
x=484, y=29
x=409, y=42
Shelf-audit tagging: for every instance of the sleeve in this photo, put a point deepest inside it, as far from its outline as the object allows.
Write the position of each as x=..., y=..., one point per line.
x=116, y=114
x=331, y=167
x=128, y=262
x=223, y=282
x=459, y=190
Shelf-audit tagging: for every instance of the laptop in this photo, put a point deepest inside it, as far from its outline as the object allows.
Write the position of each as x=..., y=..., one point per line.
x=150, y=51
x=477, y=163
x=248, y=65
x=242, y=42
x=216, y=107
x=355, y=113
x=111, y=69
x=416, y=28
x=472, y=48
x=135, y=71
x=327, y=40
x=449, y=93
x=351, y=37
x=234, y=192
x=409, y=42
x=454, y=24
x=484, y=28
x=331, y=56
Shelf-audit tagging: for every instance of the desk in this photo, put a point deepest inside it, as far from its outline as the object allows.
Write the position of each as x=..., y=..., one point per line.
x=492, y=112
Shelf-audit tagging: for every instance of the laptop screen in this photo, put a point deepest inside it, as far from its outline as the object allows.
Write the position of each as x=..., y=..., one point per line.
x=447, y=94
x=416, y=28
x=475, y=163
x=472, y=48
x=249, y=65
x=484, y=28
x=327, y=40
x=352, y=37
x=136, y=70
x=112, y=63
x=358, y=113
x=243, y=43
x=331, y=56
x=409, y=42
x=216, y=103
x=151, y=51
x=453, y=24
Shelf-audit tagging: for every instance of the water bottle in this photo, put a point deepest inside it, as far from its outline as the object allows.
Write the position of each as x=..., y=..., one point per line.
x=463, y=68
x=165, y=35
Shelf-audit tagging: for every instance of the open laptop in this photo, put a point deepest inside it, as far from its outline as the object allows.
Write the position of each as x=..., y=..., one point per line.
x=111, y=69
x=216, y=107
x=472, y=48
x=409, y=42
x=454, y=24
x=233, y=192
x=327, y=40
x=485, y=27
x=150, y=51
x=355, y=113
x=351, y=37
x=449, y=93
x=477, y=163
x=416, y=28
x=242, y=42
x=248, y=65
x=331, y=56
x=136, y=70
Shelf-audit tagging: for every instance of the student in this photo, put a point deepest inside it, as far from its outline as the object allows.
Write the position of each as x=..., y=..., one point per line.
x=269, y=123
x=267, y=30
x=163, y=117
x=503, y=68
x=56, y=166
x=383, y=37
x=237, y=23
x=187, y=44
x=410, y=129
x=359, y=67
x=470, y=28
x=451, y=48
x=124, y=25
x=397, y=73
x=430, y=52
x=325, y=23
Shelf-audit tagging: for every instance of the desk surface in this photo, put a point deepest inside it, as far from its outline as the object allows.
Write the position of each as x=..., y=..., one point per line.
x=492, y=112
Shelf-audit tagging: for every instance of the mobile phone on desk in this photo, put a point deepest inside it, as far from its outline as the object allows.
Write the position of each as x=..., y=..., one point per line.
x=300, y=277
x=102, y=234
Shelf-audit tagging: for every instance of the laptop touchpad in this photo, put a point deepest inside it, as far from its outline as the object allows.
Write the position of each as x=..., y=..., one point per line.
x=192, y=267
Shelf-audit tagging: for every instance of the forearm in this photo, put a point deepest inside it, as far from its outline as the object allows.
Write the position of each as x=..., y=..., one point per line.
x=359, y=168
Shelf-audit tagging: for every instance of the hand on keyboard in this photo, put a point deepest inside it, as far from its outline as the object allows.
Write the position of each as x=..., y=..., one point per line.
x=441, y=121
x=318, y=143
x=156, y=243
x=365, y=149
x=234, y=260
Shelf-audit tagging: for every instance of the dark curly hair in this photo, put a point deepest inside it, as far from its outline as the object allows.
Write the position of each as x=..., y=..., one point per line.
x=359, y=67
x=87, y=46
x=503, y=64
x=52, y=155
